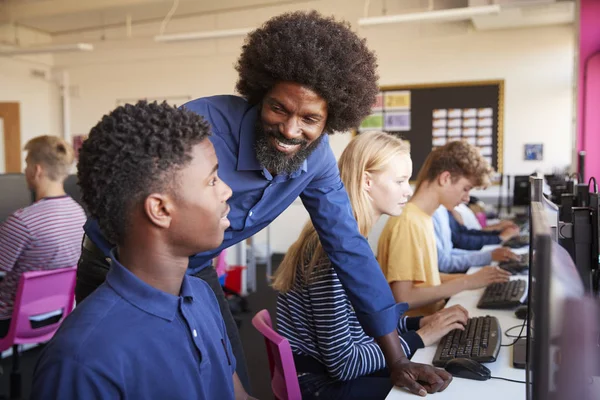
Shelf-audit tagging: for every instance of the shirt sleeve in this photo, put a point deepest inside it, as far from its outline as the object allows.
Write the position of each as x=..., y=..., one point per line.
x=69, y=379
x=14, y=238
x=405, y=256
x=470, y=239
x=452, y=260
x=327, y=202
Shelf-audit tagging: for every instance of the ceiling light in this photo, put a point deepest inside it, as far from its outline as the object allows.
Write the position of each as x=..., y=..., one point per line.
x=450, y=14
x=214, y=34
x=51, y=48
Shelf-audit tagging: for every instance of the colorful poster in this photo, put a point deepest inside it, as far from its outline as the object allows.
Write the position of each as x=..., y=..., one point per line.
x=372, y=122
x=378, y=106
x=397, y=100
x=397, y=121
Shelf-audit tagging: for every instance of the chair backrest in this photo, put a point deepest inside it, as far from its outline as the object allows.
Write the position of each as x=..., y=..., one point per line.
x=284, y=380
x=40, y=293
x=221, y=266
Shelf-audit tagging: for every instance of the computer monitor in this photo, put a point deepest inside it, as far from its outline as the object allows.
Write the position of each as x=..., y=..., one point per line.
x=521, y=190
x=14, y=194
x=73, y=190
x=536, y=185
x=553, y=280
x=578, y=373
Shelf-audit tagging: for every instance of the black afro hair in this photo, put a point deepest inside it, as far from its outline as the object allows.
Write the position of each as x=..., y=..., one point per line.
x=317, y=52
x=134, y=151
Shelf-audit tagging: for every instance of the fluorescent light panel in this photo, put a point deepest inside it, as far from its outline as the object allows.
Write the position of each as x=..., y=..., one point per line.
x=51, y=48
x=451, y=14
x=214, y=34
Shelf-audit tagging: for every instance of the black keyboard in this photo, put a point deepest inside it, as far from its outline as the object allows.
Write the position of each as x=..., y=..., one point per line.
x=503, y=296
x=517, y=242
x=480, y=341
x=516, y=266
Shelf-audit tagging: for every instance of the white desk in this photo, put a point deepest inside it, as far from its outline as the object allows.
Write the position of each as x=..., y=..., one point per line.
x=466, y=389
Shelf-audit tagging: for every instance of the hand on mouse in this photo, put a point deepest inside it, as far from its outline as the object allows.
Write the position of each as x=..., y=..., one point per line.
x=504, y=254
x=486, y=276
x=419, y=379
x=436, y=326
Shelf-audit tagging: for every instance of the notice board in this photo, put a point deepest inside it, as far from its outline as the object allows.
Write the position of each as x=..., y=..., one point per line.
x=430, y=115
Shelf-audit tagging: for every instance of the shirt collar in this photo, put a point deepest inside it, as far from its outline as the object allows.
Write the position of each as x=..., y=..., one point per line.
x=143, y=296
x=247, y=160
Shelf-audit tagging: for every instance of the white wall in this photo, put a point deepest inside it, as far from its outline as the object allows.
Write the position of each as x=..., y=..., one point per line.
x=536, y=64
x=38, y=97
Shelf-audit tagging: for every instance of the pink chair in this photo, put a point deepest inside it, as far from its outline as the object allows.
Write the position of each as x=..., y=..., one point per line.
x=284, y=380
x=38, y=293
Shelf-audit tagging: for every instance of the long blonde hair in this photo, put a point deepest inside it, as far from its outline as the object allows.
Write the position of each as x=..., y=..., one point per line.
x=367, y=152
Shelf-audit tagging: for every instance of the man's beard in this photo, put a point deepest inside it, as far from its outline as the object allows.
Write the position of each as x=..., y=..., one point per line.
x=275, y=161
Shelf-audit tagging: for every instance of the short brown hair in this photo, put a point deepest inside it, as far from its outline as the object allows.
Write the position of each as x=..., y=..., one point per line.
x=53, y=154
x=459, y=158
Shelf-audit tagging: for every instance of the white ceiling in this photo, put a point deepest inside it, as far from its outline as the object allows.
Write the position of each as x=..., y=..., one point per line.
x=58, y=17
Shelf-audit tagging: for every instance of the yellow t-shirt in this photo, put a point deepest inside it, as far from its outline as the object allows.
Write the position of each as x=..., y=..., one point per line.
x=407, y=252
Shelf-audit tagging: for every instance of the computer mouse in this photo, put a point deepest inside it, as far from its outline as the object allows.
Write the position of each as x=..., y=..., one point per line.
x=521, y=312
x=468, y=369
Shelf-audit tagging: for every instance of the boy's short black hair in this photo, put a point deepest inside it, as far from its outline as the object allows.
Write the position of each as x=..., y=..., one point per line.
x=317, y=52
x=133, y=151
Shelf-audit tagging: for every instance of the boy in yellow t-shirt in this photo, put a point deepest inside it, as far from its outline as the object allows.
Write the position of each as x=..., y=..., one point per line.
x=407, y=250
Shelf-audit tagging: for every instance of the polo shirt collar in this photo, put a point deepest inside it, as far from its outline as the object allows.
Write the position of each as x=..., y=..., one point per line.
x=143, y=296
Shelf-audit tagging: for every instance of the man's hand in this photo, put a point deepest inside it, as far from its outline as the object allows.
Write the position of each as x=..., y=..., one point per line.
x=419, y=379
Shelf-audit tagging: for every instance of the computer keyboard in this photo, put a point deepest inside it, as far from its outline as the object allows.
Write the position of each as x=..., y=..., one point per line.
x=480, y=341
x=503, y=296
x=517, y=242
x=516, y=266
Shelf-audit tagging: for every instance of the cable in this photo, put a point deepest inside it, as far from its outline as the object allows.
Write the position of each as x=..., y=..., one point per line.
x=518, y=337
x=165, y=21
x=508, y=380
x=506, y=333
x=595, y=187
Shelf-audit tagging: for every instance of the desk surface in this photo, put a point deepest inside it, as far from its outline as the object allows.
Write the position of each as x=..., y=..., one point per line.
x=466, y=389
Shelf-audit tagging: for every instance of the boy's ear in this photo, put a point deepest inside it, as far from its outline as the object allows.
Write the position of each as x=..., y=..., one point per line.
x=444, y=178
x=158, y=207
x=367, y=181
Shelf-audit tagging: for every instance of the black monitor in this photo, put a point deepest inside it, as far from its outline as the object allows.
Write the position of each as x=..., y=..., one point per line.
x=73, y=190
x=14, y=194
x=553, y=280
x=521, y=191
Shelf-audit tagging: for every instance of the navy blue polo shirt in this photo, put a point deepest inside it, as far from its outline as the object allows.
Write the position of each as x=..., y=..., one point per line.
x=258, y=198
x=129, y=340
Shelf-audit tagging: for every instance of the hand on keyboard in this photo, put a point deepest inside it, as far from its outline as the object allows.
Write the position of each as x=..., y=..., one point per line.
x=504, y=254
x=419, y=379
x=486, y=276
x=436, y=326
x=509, y=232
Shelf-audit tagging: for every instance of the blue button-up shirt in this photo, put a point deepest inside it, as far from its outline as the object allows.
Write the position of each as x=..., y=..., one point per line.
x=450, y=259
x=129, y=340
x=258, y=198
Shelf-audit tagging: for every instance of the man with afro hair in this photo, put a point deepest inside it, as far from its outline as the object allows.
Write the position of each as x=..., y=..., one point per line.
x=302, y=77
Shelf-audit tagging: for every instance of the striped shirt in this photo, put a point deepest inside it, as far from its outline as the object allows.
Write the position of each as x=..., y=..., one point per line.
x=44, y=235
x=319, y=321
